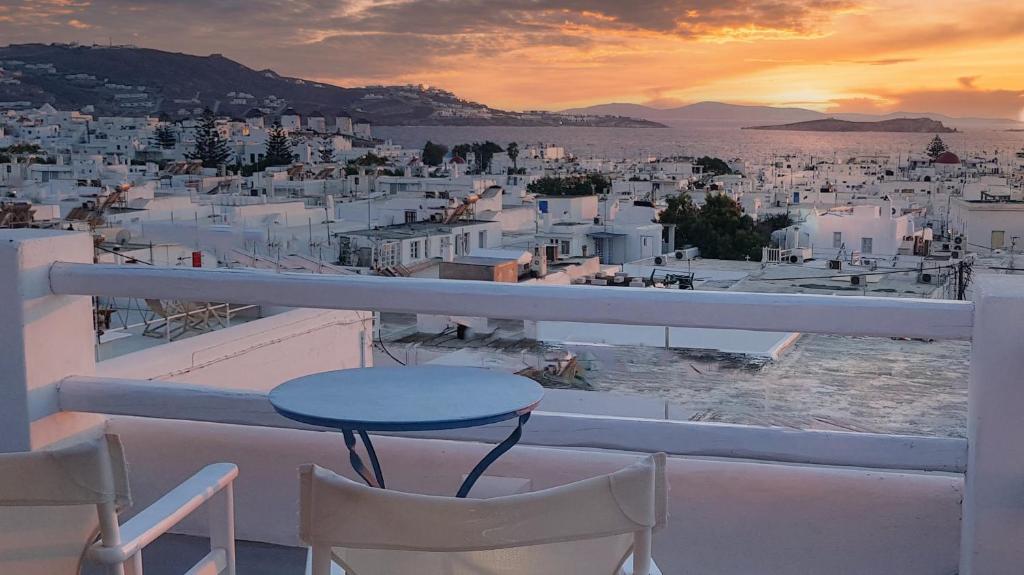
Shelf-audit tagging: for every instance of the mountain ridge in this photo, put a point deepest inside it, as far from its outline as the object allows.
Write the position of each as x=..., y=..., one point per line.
x=134, y=81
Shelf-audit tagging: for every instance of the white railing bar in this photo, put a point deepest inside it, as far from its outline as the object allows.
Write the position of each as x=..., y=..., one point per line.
x=840, y=315
x=165, y=400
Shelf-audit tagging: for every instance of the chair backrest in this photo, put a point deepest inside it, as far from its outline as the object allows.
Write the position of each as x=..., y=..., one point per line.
x=588, y=527
x=52, y=502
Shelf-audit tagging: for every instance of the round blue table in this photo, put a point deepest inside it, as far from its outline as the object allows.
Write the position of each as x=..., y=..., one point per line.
x=418, y=398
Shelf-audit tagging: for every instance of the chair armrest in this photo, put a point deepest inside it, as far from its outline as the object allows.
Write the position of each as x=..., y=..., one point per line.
x=166, y=512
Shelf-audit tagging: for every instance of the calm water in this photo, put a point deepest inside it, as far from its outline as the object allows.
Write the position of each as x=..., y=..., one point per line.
x=709, y=138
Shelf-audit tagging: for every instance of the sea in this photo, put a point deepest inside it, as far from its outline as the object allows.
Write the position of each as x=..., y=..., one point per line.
x=821, y=382
x=727, y=140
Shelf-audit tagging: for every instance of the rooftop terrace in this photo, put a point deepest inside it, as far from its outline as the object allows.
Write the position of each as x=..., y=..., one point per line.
x=794, y=501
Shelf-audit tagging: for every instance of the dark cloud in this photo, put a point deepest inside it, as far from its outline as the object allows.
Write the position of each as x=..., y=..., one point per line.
x=350, y=38
x=967, y=82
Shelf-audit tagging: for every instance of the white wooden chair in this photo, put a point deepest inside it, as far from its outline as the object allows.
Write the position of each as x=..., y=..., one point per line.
x=54, y=504
x=598, y=526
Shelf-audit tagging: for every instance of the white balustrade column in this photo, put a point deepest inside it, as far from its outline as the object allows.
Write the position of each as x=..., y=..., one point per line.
x=43, y=337
x=993, y=511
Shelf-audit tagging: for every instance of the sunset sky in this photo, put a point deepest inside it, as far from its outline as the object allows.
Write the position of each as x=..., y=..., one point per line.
x=961, y=58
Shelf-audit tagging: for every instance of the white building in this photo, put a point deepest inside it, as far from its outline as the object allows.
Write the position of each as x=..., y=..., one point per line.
x=290, y=120
x=839, y=232
x=994, y=225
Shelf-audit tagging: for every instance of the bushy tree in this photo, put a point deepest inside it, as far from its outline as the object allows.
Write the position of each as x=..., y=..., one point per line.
x=719, y=228
x=279, y=148
x=433, y=154
x=210, y=148
x=936, y=147
x=370, y=159
x=584, y=185
x=482, y=151
x=714, y=166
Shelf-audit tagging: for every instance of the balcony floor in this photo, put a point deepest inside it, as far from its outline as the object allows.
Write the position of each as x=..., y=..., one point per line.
x=175, y=554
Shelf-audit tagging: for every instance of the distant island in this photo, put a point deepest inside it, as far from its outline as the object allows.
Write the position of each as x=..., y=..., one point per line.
x=909, y=125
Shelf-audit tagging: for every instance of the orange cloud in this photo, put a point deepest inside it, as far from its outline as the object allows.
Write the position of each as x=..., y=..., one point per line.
x=524, y=54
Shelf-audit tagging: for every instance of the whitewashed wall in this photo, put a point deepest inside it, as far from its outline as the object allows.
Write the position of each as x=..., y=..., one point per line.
x=257, y=355
x=724, y=517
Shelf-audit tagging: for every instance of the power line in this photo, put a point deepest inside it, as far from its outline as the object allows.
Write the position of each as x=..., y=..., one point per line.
x=876, y=273
x=130, y=259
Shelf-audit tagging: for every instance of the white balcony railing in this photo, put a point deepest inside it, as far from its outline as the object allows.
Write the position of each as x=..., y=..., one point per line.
x=31, y=269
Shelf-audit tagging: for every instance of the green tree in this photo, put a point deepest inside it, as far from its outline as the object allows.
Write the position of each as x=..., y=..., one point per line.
x=936, y=147
x=483, y=152
x=326, y=150
x=279, y=148
x=513, y=154
x=719, y=228
x=165, y=137
x=587, y=185
x=433, y=154
x=714, y=166
x=210, y=147
x=370, y=159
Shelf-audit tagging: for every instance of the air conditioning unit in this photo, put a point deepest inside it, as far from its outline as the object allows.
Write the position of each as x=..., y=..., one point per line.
x=959, y=240
x=955, y=254
x=679, y=254
x=858, y=280
x=945, y=247
x=796, y=255
x=539, y=266
x=927, y=278
x=835, y=264
x=659, y=261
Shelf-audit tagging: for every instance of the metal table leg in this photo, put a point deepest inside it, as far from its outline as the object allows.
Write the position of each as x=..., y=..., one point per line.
x=375, y=480
x=491, y=457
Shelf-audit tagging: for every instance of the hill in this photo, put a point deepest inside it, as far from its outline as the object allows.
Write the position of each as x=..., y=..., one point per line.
x=913, y=125
x=131, y=81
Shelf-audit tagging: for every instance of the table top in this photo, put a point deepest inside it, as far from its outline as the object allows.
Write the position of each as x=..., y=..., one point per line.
x=415, y=398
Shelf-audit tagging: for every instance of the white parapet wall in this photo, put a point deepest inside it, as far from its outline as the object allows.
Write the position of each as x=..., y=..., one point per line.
x=724, y=517
x=757, y=343
x=256, y=355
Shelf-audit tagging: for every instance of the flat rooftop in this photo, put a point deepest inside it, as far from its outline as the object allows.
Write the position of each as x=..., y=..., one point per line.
x=414, y=230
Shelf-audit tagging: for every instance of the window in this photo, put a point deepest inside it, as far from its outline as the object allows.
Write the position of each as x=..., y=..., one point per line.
x=414, y=250
x=565, y=248
x=389, y=254
x=426, y=247
x=865, y=245
x=482, y=239
x=837, y=239
x=410, y=216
